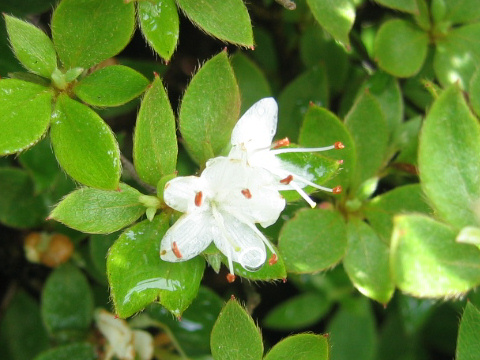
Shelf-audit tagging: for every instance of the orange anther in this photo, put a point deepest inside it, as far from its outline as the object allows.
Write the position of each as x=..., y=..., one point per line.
x=282, y=142
x=340, y=162
x=337, y=189
x=273, y=260
x=198, y=198
x=231, y=278
x=339, y=145
x=247, y=193
x=287, y=180
x=176, y=251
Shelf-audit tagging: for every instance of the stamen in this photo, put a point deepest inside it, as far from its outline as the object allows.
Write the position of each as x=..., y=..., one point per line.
x=231, y=278
x=280, y=143
x=198, y=198
x=303, y=194
x=273, y=260
x=337, y=189
x=287, y=180
x=295, y=150
x=339, y=145
x=176, y=251
x=312, y=184
x=247, y=193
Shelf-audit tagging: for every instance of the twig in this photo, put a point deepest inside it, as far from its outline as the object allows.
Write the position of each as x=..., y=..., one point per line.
x=130, y=169
x=253, y=297
x=287, y=4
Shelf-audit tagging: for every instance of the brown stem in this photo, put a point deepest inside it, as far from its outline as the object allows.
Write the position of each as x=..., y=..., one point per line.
x=130, y=169
x=287, y=4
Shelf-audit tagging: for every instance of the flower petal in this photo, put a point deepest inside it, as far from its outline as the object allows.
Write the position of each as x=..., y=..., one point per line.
x=188, y=237
x=180, y=192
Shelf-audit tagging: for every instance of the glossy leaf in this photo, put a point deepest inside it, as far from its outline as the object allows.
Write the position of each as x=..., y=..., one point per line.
x=426, y=261
x=67, y=303
x=297, y=312
x=367, y=262
x=76, y=351
x=227, y=20
x=449, y=159
x=86, y=32
x=97, y=211
x=336, y=16
x=25, y=110
x=84, y=145
x=300, y=347
x=235, y=335
x=401, y=48
x=137, y=276
x=295, y=99
x=467, y=343
x=210, y=109
x=409, y=6
x=159, y=23
x=32, y=47
x=111, y=86
x=313, y=240
x=155, y=140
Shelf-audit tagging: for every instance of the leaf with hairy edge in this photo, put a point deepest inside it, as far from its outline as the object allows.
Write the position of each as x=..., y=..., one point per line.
x=468, y=347
x=301, y=347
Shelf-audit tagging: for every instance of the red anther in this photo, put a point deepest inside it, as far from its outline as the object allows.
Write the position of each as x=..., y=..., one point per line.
x=339, y=145
x=176, y=251
x=231, y=278
x=337, y=189
x=280, y=143
x=284, y=280
x=287, y=180
x=273, y=260
x=252, y=47
x=247, y=193
x=232, y=297
x=198, y=198
x=340, y=162
x=115, y=316
x=155, y=74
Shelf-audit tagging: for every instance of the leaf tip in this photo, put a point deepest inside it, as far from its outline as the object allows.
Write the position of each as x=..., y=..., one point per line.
x=284, y=280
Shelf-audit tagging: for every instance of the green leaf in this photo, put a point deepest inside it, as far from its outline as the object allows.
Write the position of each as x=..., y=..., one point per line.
x=300, y=347
x=313, y=240
x=401, y=48
x=84, y=145
x=155, y=141
x=409, y=6
x=137, y=276
x=111, y=86
x=251, y=81
x=20, y=207
x=366, y=262
x=403, y=199
x=22, y=329
x=67, y=303
x=266, y=273
x=474, y=91
x=227, y=20
x=32, y=47
x=425, y=260
x=405, y=140
x=210, y=109
x=78, y=351
x=8, y=62
x=25, y=110
x=295, y=99
x=320, y=128
x=97, y=211
x=235, y=335
x=298, y=312
x=368, y=127
x=336, y=16
x=98, y=248
x=457, y=55
x=159, y=23
x=468, y=347
x=449, y=159
x=86, y=32
x=423, y=16
x=461, y=11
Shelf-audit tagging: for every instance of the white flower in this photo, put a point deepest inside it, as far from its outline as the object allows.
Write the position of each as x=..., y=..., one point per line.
x=222, y=205
x=252, y=143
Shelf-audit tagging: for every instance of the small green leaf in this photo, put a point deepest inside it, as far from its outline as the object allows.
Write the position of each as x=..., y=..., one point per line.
x=301, y=347
x=474, y=91
x=336, y=16
x=368, y=127
x=321, y=128
x=111, y=86
x=137, y=276
x=227, y=20
x=405, y=140
x=77, y=351
x=468, y=347
x=159, y=23
x=25, y=110
x=266, y=273
x=297, y=312
x=409, y=6
x=462, y=11
x=97, y=211
x=425, y=260
x=86, y=32
x=155, y=141
x=32, y=46
x=422, y=16
x=366, y=262
x=251, y=81
x=401, y=48
x=84, y=145
x=313, y=240
x=295, y=99
x=210, y=109
x=235, y=335
x=469, y=235
x=67, y=303
x=449, y=159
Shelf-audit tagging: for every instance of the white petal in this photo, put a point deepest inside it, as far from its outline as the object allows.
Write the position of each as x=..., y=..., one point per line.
x=180, y=192
x=144, y=346
x=256, y=128
x=188, y=237
x=118, y=334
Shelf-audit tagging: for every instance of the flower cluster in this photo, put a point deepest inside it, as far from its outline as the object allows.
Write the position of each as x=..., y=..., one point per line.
x=236, y=192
